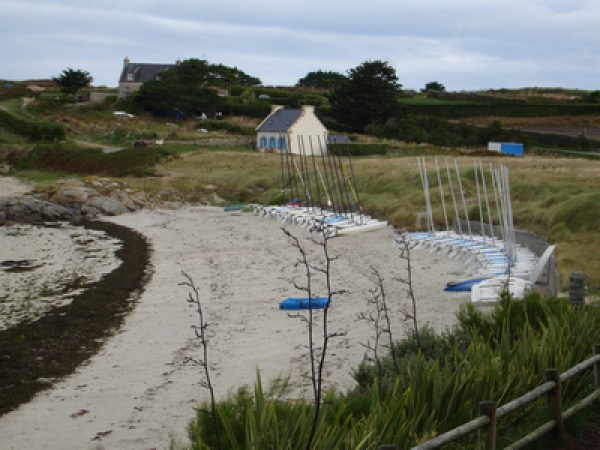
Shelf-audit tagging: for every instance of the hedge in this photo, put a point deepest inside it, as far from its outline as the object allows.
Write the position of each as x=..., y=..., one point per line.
x=36, y=131
x=358, y=149
x=69, y=158
x=212, y=125
x=504, y=109
x=440, y=132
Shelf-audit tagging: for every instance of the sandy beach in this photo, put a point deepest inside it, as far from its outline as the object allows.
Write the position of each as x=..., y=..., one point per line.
x=138, y=391
x=12, y=186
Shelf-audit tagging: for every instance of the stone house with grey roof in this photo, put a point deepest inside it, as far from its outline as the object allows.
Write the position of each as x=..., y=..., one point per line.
x=292, y=130
x=134, y=74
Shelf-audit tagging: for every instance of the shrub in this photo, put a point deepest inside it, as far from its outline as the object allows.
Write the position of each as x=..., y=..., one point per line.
x=236, y=91
x=211, y=125
x=36, y=131
x=358, y=149
x=73, y=159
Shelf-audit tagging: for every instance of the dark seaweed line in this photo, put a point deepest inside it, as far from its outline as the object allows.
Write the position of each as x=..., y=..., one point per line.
x=54, y=345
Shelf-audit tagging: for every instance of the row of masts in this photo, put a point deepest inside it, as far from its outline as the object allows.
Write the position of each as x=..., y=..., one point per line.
x=496, y=181
x=319, y=180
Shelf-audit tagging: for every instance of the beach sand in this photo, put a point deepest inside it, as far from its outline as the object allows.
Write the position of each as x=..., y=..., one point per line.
x=138, y=390
x=10, y=186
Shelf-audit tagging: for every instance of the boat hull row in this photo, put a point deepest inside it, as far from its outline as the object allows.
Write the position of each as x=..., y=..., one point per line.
x=321, y=221
x=490, y=270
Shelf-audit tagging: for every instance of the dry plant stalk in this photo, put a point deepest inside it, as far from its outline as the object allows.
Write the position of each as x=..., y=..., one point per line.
x=317, y=355
x=193, y=299
x=379, y=317
x=407, y=280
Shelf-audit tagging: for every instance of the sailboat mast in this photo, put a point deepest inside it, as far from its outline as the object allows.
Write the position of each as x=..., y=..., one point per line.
x=481, y=229
x=462, y=194
x=437, y=169
x=312, y=157
x=451, y=184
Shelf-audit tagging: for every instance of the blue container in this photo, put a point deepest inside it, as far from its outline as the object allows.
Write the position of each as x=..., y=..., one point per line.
x=511, y=148
x=303, y=303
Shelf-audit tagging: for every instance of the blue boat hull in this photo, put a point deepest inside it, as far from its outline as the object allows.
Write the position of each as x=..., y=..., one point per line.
x=463, y=286
x=303, y=303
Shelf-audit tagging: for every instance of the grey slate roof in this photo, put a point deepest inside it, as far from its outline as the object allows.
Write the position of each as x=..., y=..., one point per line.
x=281, y=120
x=142, y=72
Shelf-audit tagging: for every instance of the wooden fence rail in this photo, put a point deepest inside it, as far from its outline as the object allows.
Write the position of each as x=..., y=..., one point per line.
x=551, y=389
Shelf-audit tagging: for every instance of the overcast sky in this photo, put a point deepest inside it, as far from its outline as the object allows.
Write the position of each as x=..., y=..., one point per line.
x=464, y=44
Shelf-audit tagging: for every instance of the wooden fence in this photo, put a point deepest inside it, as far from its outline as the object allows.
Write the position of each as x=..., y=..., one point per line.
x=551, y=388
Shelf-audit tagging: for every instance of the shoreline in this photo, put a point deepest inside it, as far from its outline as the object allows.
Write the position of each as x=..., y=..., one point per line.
x=34, y=355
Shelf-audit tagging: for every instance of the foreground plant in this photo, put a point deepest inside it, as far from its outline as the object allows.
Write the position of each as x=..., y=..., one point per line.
x=200, y=331
x=316, y=355
x=379, y=317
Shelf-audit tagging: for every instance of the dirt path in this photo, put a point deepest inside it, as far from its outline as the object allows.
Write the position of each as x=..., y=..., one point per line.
x=105, y=148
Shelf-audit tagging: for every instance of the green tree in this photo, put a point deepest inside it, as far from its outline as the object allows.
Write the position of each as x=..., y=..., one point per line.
x=369, y=95
x=183, y=89
x=225, y=76
x=594, y=97
x=70, y=80
x=189, y=88
x=434, y=86
x=321, y=79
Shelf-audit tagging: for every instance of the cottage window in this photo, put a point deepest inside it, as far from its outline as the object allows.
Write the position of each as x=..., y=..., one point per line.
x=129, y=76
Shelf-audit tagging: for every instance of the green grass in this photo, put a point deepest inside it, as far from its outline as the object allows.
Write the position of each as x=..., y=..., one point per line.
x=42, y=177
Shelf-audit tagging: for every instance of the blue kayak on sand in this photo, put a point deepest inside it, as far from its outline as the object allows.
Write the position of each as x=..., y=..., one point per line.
x=463, y=286
x=303, y=303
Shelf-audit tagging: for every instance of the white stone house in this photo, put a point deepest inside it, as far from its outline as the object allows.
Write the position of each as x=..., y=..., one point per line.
x=292, y=130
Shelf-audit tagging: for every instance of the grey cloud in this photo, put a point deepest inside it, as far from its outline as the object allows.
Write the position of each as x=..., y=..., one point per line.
x=465, y=44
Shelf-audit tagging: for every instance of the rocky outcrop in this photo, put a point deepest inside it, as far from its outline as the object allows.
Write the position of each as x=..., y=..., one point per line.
x=28, y=209
x=71, y=201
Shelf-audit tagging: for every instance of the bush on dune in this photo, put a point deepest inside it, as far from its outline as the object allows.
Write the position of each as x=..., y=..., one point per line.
x=73, y=159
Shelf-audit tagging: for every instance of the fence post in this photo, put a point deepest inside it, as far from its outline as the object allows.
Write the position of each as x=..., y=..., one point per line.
x=489, y=409
x=555, y=401
x=597, y=367
x=577, y=289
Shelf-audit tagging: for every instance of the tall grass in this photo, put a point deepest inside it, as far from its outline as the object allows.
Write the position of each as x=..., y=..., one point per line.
x=497, y=357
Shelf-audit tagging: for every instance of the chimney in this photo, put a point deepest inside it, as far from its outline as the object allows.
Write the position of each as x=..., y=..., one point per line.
x=308, y=109
x=275, y=108
x=125, y=61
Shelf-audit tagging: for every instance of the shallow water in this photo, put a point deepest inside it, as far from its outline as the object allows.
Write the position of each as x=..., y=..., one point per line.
x=43, y=267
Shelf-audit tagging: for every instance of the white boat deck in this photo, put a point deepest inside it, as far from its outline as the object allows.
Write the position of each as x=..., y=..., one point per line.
x=315, y=219
x=486, y=258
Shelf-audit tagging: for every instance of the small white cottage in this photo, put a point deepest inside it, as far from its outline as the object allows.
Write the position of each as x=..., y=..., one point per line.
x=292, y=130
